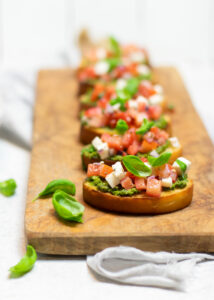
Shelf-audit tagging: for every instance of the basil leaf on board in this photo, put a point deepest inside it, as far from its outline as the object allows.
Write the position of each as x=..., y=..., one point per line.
x=146, y=126
x=67, y=207
x=160, y=160
x=58, y=184
x=122, y=126
x=132, y=86
x=8, y=187
x=113, y=62
x=25, y=264
x=135, y=165
x=182, y=166
x=114, y=45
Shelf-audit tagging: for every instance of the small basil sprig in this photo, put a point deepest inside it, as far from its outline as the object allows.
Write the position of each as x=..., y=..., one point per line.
x=161, y=123
x=113, y=62
x=114, y=45
x=119, y=101
x=182, y=166
x=160, y=160
x=58, y=184
x=25, y=264
x=135, y=165
x=132, y=86
x=8, y=187
x=122, y=126
x=145, y=127
x=67, y=207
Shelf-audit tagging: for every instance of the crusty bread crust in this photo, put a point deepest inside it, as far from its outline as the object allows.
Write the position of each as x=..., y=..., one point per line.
x=87, y=133
x=141, y=203
x=176, y=152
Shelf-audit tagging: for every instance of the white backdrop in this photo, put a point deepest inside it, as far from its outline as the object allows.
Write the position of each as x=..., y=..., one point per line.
x=35, y=32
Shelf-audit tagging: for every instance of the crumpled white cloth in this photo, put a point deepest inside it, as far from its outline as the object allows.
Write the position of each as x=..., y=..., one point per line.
x=129, y=265
x=16, y=106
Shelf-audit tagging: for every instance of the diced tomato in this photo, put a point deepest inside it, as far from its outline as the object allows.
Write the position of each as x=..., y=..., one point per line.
x=144, y=159
x=129, y=174
x=140, y=183
x=146, y=146
x=129, y=137
x=127, y=183
x=102, y=103
x=146, y=89
x=133, y=148
x=105, y=137
x=141, y=106
x=153, y=187
x=160, y=135
x=92, y=112
x=114, y=117
x=120, y=71
x=96, y=122
x=173, y=175
x=115, y=142
x=132, y=69
x=105, y=170
x=86, y=73
x=110, y=91
x=155, y=112
x=93, y=169
x=97, y=90
x=163, y=171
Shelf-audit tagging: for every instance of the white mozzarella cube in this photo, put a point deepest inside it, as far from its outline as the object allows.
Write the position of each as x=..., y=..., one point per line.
x=133, y=104
x=143, y=70
x=112, y=180
x=166, y=182
x=156, y=99
x=101, y=53
x=97, y=142
x=141, y=99
x=154, y=153
x=121, y=84
x=112, y=151
x=101, y=68
x=174, y=142
x=158, y=88
x=177, y=167
x=116, y=107
x=137, y=56
x=118, y=170
x=104, y=151
x=109, y=109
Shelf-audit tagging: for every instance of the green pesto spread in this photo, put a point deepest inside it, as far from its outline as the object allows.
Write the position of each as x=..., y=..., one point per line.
x=102, y=185
x=180, y=183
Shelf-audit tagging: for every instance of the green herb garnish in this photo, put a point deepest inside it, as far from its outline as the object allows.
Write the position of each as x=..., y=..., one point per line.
x=122, y=126
x=163, y=147
x=8, y=187
x=113, y=62
x=119, y=101
x=146, y=126
x=160, y=160
x=67, y=207
x=161, y=123
x=135, y=165
x=132, y=86
x=25, y=264
x=114, y=45
x=180, y=183
x=58, y=184
x=182, y=166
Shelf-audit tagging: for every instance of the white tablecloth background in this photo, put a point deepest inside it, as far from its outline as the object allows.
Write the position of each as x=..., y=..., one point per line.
x=68, y=277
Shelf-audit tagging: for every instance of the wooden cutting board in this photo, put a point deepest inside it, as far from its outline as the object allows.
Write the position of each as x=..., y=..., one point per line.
x=56, y=154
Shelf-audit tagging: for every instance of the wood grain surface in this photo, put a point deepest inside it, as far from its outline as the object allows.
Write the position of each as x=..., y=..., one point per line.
x=56, y=154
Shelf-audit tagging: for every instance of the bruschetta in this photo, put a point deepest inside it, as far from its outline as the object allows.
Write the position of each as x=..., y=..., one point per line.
x=112, y=148
x=139, y=186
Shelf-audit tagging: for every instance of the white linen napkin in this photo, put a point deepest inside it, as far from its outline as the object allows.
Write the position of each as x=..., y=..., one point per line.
x=129, y=265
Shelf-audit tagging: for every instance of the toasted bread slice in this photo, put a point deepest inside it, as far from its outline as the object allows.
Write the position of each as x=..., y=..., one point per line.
x=176, y=152
x=141, y=203
x=87, y=133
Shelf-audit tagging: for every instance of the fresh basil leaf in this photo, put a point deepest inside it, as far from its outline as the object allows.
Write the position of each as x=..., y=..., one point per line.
x=122, y=126
x=135, y=165
x=25, y=264
x=122, y=94
x=146, y=126
x=132, y=86
x=113, y=62
x=67, y=207
x=119, y=101
x=182, y=166
x=160, y=160
x=161, y=123
x=58, y=184
x=163, y=147
x=114, y=45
